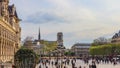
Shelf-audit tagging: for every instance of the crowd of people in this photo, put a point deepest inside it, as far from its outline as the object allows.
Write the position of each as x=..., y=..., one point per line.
x=72, y=62
x=63, y=63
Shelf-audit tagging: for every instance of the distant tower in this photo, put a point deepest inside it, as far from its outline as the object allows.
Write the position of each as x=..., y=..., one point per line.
x=60, y=39
x=39, y=36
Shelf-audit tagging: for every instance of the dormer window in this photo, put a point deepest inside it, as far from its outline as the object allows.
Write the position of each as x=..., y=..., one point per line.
x=13, y=9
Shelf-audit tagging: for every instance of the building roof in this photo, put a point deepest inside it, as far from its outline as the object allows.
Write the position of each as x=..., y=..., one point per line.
x=81, y=45
x=10, y=9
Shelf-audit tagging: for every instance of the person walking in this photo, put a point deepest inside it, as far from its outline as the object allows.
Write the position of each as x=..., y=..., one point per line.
x=80, y=67
x=94, y=65
x=40, y=66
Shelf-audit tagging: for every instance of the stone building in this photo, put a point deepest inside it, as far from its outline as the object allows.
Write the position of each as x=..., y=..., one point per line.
x=9, y=31
x=60, y=50
x=60, y=40
x=39, y=46
x=81, y=49
x=35, y=45
x=116, y=38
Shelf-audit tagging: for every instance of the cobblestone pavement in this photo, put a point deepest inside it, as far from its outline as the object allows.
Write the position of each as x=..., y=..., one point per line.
x=79, y=62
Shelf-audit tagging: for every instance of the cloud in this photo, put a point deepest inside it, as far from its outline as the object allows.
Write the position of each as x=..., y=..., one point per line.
x=44, y=17
x=63, y=12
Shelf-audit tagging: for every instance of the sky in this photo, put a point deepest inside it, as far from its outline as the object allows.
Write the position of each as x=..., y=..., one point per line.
x=81, y=21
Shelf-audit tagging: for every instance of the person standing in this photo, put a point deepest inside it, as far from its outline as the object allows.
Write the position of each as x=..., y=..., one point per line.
x=94, y=65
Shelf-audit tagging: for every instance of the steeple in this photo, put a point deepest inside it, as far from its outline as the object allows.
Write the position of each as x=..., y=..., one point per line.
x=39, y=36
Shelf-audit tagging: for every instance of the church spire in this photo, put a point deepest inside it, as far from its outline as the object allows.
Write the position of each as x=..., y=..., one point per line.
x=39, y=36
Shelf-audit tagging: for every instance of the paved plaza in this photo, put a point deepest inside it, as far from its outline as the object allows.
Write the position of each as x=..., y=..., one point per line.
x=81, y=63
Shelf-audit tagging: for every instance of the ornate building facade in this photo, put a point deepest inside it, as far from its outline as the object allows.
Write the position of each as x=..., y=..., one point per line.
x=9, y=31
x=116, y=38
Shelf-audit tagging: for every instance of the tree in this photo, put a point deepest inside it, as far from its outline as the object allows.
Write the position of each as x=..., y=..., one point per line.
x=100, y=41
x=25, y=58
x=69, y=53
x=28, y=38
x=49, y=46
x=107, y=49
x=28, y=42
